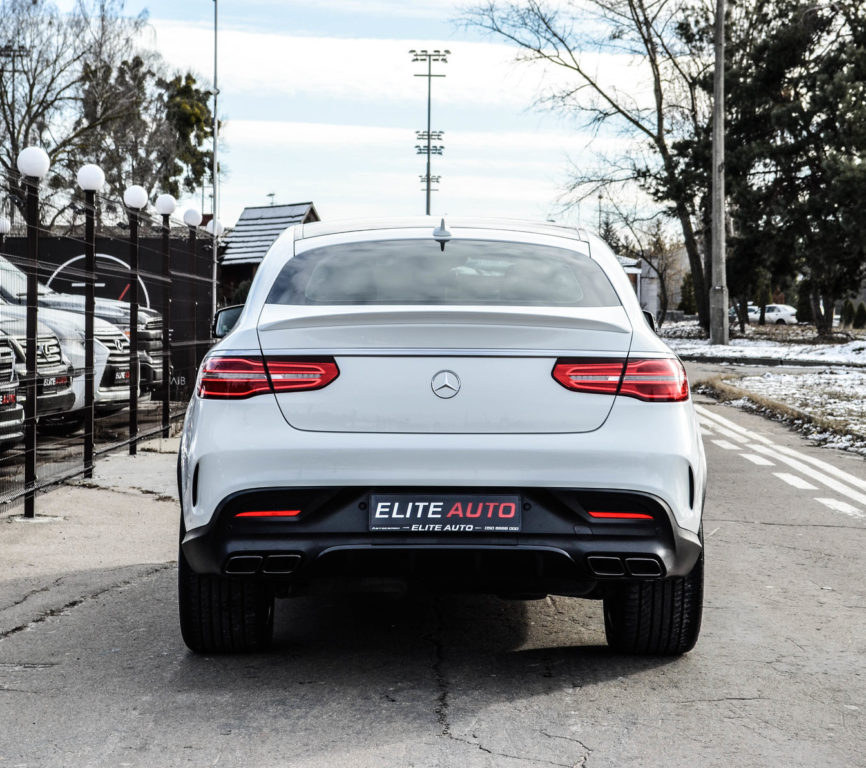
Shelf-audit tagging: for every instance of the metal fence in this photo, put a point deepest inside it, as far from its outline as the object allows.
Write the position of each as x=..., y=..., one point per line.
x=105, y=315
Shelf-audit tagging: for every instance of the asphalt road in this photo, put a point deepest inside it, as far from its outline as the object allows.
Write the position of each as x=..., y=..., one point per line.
x=777, y=678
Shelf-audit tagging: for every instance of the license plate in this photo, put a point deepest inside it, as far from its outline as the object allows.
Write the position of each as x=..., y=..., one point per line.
x=49, y=381
x=445, y=513
x=121, y=376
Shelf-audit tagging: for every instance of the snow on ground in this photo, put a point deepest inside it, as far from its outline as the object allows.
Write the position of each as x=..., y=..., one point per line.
x=851, y=353
x=833, y=394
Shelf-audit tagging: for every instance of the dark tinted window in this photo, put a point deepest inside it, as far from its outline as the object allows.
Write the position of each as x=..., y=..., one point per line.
x=466, y=272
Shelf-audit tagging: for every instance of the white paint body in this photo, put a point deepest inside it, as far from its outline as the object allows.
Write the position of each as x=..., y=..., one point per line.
x=380, y=424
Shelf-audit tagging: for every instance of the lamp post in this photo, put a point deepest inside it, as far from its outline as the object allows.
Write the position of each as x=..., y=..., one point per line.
x=429, y=57
x=135, y=199
x=33, y=163
x=5, y=229
x=165, y=206
x=91, y=179
x=215, y=229
x=192, y=218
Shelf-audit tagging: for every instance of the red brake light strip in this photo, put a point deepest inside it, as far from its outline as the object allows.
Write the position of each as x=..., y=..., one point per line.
x=620, y=515
x=270, y=513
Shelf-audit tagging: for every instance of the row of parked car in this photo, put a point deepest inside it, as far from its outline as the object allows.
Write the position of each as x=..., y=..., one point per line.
x=60, y=361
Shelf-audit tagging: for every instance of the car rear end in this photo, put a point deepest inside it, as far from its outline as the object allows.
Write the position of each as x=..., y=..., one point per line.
x=487, y=412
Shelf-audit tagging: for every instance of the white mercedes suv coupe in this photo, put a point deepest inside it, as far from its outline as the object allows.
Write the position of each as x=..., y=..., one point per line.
x=466, y=405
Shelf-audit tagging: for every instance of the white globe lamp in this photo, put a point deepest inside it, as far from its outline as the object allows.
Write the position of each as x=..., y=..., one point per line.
x=135, y=197
x=192, y=217
x=90, y=178
x=214, y=227
x=165, y=205
x=33, y=162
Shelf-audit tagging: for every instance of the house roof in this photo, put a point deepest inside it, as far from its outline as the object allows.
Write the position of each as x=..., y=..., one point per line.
x=259, y=226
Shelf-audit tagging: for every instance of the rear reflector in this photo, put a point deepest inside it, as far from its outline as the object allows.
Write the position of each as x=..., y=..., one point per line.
x=619, y=515
x=653, y=379
x=270, y=513
x=241, y=377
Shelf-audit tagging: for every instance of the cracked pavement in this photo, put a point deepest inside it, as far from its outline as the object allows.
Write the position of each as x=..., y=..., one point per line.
x=93, y=671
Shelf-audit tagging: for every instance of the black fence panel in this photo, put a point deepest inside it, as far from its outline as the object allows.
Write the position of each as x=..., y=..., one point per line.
x=62, y=447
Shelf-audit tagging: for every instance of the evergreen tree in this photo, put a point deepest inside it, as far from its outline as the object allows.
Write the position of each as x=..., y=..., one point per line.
x=846, y=316
x=687, y=295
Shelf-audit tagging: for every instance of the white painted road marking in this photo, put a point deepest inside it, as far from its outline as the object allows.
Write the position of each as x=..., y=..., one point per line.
x=759, y=460
x=841, y=506
x=762, y=450
x=796, y=481
x=725, y=444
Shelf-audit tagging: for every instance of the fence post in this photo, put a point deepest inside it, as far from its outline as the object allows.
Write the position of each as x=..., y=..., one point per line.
x=192, y=218
x=135, y=199
x=90, y=178
x=33, y=163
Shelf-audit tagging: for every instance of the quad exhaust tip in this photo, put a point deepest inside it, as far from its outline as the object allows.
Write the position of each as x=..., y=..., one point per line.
x=614, y=566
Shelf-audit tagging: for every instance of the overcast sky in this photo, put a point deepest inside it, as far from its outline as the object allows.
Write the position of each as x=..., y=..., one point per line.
x=321, y=104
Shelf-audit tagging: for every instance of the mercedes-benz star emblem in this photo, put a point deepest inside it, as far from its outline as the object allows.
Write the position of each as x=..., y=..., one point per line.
x=445, y=384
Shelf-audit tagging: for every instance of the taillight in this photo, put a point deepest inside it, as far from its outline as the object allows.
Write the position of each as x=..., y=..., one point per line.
x=290, y=375
x=241, y=377
x=657, y=379
x=600, y=376
x=653, y=379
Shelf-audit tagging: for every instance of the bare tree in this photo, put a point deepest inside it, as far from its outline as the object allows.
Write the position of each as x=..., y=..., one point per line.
x=85, y=91
x=645, y=239
x=660, y=102
x=40, y=104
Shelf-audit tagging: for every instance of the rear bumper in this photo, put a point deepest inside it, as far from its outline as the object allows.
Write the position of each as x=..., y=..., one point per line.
x=654, y=451
x=560, y=549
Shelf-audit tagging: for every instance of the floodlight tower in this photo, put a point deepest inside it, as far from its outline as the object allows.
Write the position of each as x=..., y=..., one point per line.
x=429, y=57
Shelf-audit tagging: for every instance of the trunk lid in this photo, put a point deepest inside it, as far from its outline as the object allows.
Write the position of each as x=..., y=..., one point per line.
x=494, y=366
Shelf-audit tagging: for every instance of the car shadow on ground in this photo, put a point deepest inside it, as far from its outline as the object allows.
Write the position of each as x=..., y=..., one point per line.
x=483, y=645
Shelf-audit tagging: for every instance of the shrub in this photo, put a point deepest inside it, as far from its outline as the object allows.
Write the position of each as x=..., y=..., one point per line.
x=687, y=296
x=860, y=316
x=804, y=303
x=847, y=314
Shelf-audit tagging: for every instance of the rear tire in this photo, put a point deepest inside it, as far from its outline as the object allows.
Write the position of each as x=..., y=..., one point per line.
x=219, y=614
x=656, y=618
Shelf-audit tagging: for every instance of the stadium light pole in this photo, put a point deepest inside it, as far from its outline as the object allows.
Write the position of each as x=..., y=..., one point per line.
x=215, y=171
x=429, y=57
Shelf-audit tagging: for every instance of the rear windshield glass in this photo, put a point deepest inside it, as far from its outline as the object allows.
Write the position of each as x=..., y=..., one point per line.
x=466, y=272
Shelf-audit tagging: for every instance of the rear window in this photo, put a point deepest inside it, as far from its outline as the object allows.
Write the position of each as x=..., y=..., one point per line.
x=467, y=272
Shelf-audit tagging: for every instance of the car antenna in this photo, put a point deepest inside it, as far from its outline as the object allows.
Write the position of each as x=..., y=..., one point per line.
x=441, y=235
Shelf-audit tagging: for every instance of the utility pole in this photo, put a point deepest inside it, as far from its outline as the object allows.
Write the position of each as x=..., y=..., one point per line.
x=719, y=289
x=429, y=57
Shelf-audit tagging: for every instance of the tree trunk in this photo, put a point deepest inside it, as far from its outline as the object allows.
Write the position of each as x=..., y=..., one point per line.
x=823, y=316
x=702, y=294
